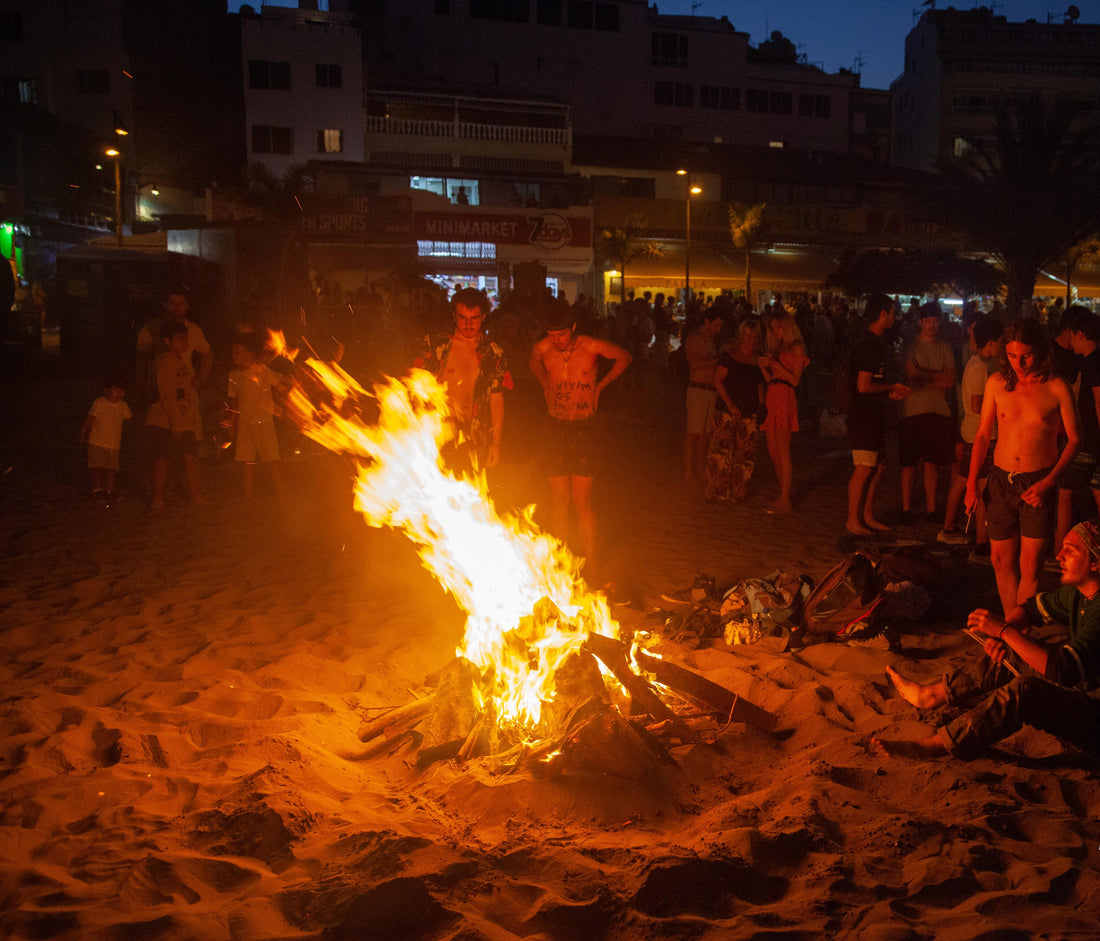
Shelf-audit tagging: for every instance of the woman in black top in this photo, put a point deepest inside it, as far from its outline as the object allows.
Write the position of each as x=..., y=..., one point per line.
x=740, y=387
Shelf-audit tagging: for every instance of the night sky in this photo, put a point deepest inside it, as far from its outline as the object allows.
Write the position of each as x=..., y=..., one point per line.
x=838, y=34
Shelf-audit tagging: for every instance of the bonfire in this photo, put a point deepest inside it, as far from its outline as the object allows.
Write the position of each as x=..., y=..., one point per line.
x=542, y=678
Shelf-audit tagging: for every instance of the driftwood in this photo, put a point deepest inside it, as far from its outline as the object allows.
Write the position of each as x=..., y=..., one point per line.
x=384, y=744
x=397, y=719
x=607, y=744
x=613, y=653
x=725, y=703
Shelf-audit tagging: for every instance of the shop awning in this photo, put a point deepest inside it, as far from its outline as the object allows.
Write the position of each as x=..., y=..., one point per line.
x=721, y=269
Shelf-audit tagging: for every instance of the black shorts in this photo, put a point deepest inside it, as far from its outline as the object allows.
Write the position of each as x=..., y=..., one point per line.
x=172, y=445
x=1083, y=472
x=1007, y=516
x=570, y=447
x=927, y=438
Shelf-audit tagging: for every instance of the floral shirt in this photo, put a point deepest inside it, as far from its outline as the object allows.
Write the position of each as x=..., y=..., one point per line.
x=493, y=376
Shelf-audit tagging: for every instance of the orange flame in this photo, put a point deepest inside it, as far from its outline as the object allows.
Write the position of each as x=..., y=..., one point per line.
x=498, y=568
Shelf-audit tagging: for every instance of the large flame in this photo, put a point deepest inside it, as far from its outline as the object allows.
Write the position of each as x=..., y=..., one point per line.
x=500, y=569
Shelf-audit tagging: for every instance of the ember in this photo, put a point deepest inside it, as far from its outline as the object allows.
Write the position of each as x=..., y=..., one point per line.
x=540, y=661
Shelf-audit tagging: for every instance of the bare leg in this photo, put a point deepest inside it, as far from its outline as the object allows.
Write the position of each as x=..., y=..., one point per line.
x=931, y=485
x=1064, y=515
x=783, y=469
x=586, y=519
x=923, y=697
x=908, y=476
x=1002, y=553
x=160, y=479
x=862, y=475
x=869, y=517
x=1031, y=561
x=249, y=475
x=954, y=501
x=559, y=507
x=692, y=443
x=191, y=477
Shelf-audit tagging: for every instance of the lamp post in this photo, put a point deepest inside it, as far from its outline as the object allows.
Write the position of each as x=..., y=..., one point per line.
x=117, y=158
x=691, y=191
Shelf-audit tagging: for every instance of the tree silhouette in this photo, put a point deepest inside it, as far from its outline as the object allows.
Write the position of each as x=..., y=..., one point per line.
x=277, y=198
x=1084, y=252
x=1030, y=192
x=746, y=227
x=624, y=244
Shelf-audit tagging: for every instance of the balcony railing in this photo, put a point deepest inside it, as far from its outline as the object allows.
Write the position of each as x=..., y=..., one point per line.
x=504, y=133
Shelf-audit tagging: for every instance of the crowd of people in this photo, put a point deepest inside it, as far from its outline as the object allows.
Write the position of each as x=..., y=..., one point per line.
x=1008, y=414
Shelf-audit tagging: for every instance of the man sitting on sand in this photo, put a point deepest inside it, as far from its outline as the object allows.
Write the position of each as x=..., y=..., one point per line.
x=1020, y=681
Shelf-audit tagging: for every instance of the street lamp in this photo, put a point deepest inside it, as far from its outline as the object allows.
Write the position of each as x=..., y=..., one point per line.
x=692, y=190
x=117, y=158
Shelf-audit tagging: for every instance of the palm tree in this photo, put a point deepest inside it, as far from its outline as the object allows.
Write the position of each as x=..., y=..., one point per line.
x=1083, y=252
x=1029, y=193
x=746, y=226
x=626, y=243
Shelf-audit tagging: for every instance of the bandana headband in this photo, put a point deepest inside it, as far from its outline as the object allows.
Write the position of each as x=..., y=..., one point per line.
x=1090, y=536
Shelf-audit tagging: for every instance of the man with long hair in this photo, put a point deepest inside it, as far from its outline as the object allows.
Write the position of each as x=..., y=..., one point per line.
x=1029, y=404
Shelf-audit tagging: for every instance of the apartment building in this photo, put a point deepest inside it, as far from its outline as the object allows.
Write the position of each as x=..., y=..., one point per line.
x=960, y=64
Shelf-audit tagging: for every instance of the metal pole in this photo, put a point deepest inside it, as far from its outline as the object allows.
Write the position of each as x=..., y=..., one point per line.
x=118, y=201
x=687, y=251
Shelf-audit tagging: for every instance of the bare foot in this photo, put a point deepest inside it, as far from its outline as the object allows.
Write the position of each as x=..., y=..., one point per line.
x=858, y=529
x=931, y=747
x=778, y=509
x=875, y=524
x=923, y=697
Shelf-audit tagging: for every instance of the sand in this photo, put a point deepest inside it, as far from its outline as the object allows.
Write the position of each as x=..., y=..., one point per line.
x=182, y=693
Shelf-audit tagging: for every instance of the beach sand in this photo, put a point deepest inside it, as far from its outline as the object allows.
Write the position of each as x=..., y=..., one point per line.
x=183, y=690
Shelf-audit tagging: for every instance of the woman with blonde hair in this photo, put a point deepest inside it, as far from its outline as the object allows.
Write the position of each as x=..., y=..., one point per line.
x=782, y=365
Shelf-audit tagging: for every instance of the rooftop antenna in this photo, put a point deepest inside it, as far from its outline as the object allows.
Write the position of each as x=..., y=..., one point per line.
x=695, y=6
x=859, y=62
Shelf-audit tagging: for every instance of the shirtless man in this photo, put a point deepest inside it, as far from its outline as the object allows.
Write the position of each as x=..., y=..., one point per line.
x=1028, y=403
x=565, y=364
x=473, y=371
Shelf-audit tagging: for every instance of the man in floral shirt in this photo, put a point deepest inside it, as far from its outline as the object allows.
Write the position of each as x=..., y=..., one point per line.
x=475, y=374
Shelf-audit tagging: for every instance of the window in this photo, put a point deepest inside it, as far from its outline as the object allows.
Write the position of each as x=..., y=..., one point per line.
x=11, y=27
x=719, y=97
x=580, y=14
x=272, y=140
x=814, y=106
x=93, y=81
x=328, y=76
x=513, y=11
x=273, y=75
x=607, y=17
x=679, y=94
x=756, y=100
x=548, y=12
x=330, y=142
x=781, y=102
x=668, y=49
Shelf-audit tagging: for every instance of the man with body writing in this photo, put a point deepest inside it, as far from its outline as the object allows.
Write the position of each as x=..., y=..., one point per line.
x=1028, y=404
x=473, y=371
x=566, y=366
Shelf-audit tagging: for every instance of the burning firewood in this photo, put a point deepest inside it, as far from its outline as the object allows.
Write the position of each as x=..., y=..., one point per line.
x=725, y=704
x=613, y=653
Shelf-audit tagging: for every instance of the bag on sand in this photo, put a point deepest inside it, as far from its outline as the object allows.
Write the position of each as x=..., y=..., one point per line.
x=845, y=604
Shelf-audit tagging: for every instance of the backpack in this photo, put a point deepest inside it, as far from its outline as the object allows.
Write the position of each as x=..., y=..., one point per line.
x=845, y=603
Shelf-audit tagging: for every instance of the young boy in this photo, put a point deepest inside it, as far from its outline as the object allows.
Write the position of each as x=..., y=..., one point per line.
x=252, y=408
x=174, y=417
x=102, y=431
